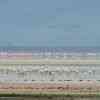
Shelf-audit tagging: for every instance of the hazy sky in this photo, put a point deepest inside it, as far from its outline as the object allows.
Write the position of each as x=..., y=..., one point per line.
x=50, y=22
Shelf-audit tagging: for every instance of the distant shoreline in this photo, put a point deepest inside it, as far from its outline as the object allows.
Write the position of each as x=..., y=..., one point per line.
x=49, y=49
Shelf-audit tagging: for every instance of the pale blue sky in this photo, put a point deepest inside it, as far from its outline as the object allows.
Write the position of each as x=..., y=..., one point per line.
x=50, y=22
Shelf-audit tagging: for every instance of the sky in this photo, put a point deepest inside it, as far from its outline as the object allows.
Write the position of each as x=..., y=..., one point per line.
x=50, y=23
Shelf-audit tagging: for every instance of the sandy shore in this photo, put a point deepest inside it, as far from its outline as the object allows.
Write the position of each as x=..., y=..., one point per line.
x=49, y=61
x=79, y=87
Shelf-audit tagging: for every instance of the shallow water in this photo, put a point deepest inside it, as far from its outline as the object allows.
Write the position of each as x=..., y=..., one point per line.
x=48, y=73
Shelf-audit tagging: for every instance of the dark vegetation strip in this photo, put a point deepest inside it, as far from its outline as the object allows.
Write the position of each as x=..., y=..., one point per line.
x=50, y=95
